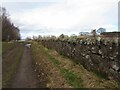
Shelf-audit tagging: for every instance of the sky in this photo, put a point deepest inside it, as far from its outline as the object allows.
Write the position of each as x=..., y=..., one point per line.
x=54, y=17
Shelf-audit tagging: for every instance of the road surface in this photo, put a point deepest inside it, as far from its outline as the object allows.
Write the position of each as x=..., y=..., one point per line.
x=25, y=76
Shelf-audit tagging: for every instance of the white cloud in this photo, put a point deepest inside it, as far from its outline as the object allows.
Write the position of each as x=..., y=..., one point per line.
x=69, y=15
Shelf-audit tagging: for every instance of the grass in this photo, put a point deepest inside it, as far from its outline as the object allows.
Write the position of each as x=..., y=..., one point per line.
x=71, y=78
x=7, y=46
x=10, y=66
x=99, y=75
x=39, y=57
x=45, y=51
x=52, y=59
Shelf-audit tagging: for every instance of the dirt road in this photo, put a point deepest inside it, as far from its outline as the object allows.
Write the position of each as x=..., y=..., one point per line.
x=25, y=76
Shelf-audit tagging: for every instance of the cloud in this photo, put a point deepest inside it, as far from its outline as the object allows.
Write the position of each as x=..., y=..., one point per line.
x=69, y=16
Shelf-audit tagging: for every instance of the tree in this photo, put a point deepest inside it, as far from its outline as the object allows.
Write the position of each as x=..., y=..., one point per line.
x=9, y=30
x=28, y=39
x=61, y=36
x=84, y=33
x=101, y=30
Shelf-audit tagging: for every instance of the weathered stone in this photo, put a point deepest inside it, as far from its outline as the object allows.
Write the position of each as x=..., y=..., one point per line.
x=87, y=56
x=110, y=47
x=99, y=51
x=115, y=67
x=100, y=55
x=112, y=58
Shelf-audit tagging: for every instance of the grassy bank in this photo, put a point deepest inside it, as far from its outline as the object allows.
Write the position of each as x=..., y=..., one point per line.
x=75, y=75
x=88, y=79
x=10, y=63
x=47, y=65
x=72, y=79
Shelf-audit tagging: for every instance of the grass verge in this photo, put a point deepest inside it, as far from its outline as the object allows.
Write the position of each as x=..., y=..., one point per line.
x=52, y=59
x=71, y=78
x=10, y=65
x=6, y=46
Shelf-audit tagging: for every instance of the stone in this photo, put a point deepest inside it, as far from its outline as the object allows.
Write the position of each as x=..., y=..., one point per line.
x=83, y=54
x=87, y=56
x=116, y=53
x=103, y=56
x=115, y=56
x=111, y=58
x=99, y=51
x=110, y=48
x=115, y=67
x=93, y=50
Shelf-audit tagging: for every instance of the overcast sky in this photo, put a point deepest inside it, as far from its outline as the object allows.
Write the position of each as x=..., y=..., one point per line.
x=54, y=17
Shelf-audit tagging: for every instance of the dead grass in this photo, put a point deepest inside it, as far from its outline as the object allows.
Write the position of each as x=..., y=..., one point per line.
x=59, y=73
x=89, y=79
x=48, y=65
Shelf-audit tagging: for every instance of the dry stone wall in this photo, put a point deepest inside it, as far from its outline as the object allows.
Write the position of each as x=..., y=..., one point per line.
x=101, y=56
